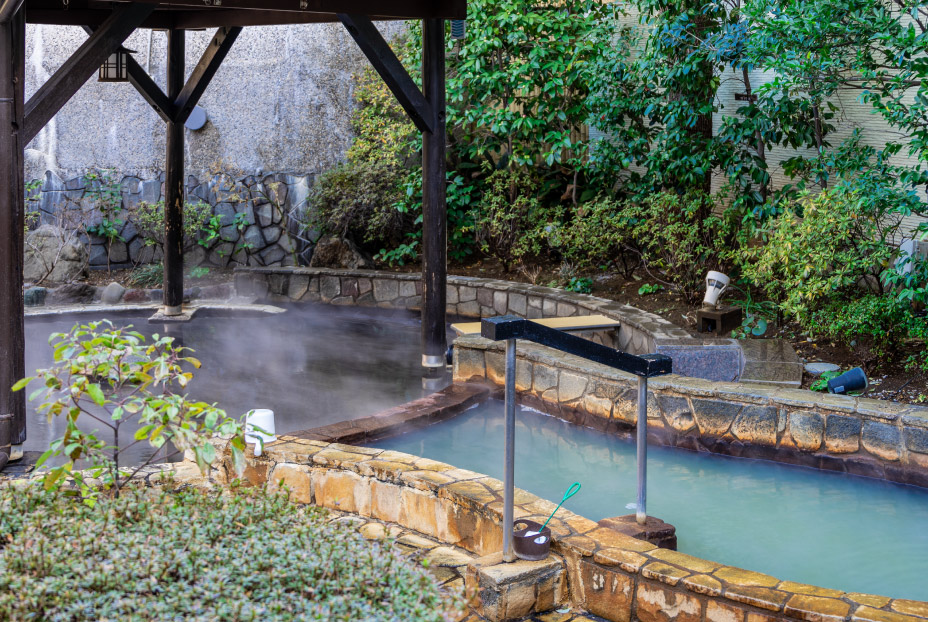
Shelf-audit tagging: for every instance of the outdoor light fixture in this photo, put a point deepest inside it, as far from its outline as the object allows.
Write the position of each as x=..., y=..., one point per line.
x=260, y=428
x=116, y=67
x=458, y=29
x=716, y=283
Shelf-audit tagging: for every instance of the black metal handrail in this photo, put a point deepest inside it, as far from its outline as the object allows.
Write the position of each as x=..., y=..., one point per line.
x=510, y=328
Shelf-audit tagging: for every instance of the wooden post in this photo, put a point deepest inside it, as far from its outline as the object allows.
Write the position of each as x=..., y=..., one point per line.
x=174, y=183
x=12, y=337
x=434, y=217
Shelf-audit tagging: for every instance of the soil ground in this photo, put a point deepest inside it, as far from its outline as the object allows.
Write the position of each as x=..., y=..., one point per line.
x=888, y=381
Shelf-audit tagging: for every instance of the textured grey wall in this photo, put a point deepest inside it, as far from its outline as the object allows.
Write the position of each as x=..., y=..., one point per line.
x=280, y=102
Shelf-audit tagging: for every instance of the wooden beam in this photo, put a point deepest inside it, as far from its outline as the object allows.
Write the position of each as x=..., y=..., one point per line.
x=204, y=71
x=12, y=209
x=85, y=62
x=391, y=70
x=143, y=83
x=174, y=183
x=434, y=210
x=159, y=20
x=8, y=9
x=403, y=9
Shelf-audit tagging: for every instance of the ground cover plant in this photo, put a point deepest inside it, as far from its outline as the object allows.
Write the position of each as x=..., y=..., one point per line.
x=158, y=555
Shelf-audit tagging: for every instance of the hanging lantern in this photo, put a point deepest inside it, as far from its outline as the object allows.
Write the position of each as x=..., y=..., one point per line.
x=116, y=67
x=457, y=29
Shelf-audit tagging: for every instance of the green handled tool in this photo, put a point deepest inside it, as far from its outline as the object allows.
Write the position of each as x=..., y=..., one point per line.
x=574, y=489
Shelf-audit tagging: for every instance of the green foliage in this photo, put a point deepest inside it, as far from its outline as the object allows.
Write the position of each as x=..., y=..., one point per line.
x=149, y=275
x=106, y=192
x=193, y=556
x=112, y=377
x=821, y=383
x=650, y=288
x=200, y=225
x=198, y=272
x=822, y=248
x=508, y=208
x=599, y=234
x=678, y=239
x=581, y=285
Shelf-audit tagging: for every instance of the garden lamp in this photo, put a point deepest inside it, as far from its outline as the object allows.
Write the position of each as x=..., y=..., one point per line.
x=716, y=283
x=116, y=67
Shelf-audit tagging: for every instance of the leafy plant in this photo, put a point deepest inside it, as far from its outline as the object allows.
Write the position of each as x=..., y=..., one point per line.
x=199, y=557
x=112, y=377
x=650, y=288
x=200, y=225
x=581, y=285
x=198, y=272
x=821, y=383
x=105, y=190
x=148, y=275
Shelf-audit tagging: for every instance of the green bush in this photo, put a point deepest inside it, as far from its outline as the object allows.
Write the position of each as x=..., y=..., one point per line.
x=679, y=238
x=598, y=235
x=186, y=555
x=821, y=249
x=199, y=223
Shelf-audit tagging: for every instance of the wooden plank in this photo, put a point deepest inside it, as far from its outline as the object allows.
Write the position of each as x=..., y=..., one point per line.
x=160, y=20
x=434, y=209
x=143, y=83
x=83, y=64
x=12, y=213
x=569, y=324
x=204, y=71
x=391, y=70
x=174, y=182
x=402, y=9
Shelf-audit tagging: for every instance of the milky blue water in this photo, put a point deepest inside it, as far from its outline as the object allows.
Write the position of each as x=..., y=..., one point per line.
x=828, y=529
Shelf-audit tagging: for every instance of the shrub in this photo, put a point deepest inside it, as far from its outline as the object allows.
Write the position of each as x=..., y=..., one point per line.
x=679, y=238
x=112, y=377
x=598, y=235
x=191, y=556
x=821, y=249
x=149, y=275
x=199, y=223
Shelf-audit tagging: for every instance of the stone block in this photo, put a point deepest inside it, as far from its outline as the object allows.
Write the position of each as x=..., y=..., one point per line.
x=720, y=612
x=677, y=412
x=386, y=501
x=656, y=603
x=329, y=287
x=386, y=290
x=500, y=304
x=407, y=288
x=296, y=478
x=299, y=285
x=544, y=378
x=916, y=439
x=342, y=490
x=606, y=592
x=807, y=430
x=570, y=387
x=842, y=434
x=467, y=294
x=469, y=363
x=518, y=305
x=756, y=425
x=881, y=439
x=418, y=510
x=714, y=417
x=510, y=591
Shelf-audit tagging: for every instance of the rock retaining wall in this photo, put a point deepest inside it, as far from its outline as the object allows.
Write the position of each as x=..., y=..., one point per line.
x=762, y=361
x=607, y=573
x=867, y=437
x=255, y=212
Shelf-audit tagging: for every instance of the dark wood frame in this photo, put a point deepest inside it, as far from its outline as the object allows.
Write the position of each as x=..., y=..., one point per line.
x=108, y=25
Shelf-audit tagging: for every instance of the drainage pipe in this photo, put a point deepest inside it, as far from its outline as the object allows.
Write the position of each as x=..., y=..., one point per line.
x=641, y=512
x=510, y=441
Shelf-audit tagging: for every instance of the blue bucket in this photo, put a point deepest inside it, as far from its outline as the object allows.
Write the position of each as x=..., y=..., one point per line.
x=852, y=381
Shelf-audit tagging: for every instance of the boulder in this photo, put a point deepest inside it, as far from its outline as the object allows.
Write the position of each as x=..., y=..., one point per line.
x=34, y=296
x=332, y=252
x=53, y=255
x=112, y=293
x=72, y=293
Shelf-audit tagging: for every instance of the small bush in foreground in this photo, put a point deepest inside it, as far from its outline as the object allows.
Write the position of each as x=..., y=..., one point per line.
x=186, y=555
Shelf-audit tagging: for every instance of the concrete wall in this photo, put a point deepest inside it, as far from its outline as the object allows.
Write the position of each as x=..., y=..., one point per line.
x=280, y=103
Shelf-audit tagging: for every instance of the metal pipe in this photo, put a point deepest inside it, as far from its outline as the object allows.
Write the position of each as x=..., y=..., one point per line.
x=641, y=512
x=510, y=440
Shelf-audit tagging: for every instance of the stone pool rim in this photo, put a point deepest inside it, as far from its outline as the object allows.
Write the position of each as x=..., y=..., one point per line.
x=608, y=573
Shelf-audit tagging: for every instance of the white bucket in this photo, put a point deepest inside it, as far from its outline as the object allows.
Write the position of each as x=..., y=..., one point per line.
x=259, y=428
x=716, y=283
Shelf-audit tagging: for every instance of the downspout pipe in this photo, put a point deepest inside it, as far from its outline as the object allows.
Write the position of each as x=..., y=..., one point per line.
x=8, y=9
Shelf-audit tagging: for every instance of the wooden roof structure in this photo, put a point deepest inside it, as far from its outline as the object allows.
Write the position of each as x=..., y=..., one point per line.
x=108, y=25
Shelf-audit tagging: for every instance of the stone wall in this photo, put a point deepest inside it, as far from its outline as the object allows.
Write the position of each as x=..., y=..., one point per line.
x=861, y=436
x=767, y=361
x=259, y=216
x=593, y=567
x=281, y=101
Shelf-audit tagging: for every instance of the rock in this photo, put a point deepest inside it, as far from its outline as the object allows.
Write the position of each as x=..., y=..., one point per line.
x=157, y=295
x=72, y=293
x=332, y=252
x=819, y=368
x=135, y=295
x=112, y=293
x=35, y=296
x=53, y=255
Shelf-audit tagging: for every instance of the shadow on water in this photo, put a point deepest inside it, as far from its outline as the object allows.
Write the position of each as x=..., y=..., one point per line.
x=312, y=366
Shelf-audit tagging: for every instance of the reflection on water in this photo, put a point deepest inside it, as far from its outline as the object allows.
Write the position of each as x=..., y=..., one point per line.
x=829, y=529
x=312, y=366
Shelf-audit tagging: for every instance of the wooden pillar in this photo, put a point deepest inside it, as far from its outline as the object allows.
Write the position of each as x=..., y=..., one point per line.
x=174, y=183
x=12, y=339
x=434, y=217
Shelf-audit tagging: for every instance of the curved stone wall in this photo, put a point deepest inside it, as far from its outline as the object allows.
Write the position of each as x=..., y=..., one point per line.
x=761, y=361
x=608, y=573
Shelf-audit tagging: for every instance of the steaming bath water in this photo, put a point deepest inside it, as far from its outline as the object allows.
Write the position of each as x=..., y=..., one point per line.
x=312, y=365
x=824, y=528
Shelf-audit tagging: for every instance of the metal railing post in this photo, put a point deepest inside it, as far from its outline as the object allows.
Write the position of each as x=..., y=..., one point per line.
x=510, y=440
x=641, y=512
